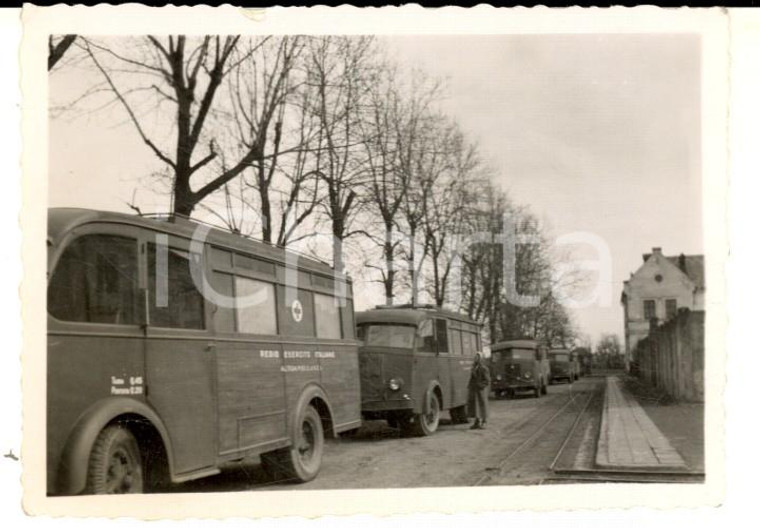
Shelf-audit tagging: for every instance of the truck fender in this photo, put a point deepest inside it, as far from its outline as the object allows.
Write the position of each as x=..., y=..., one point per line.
x=72, y=469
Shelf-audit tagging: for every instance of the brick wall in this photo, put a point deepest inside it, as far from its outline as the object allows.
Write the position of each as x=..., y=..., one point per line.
x=672, y=356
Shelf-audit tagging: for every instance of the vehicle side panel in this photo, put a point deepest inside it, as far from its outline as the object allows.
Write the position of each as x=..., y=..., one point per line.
x=339, y=374
x=180, y=379
x=75, y=381
x=251, y=398
x=445, y=379
x=460, y=376
x=425, y=370
x=301, y=368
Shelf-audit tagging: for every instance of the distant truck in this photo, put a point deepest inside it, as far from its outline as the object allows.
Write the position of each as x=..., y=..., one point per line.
x=519, y=365
x=562, y=366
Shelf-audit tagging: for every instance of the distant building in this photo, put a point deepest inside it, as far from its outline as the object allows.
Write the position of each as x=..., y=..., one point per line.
x=657, y=290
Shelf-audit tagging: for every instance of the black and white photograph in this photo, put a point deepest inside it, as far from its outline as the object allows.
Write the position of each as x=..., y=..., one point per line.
x=289, y=261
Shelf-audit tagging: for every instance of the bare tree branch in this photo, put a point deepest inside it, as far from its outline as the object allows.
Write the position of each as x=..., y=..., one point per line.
x=56, y=51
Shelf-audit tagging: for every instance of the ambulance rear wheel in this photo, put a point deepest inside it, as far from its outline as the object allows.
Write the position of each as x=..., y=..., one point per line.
x=300, y=462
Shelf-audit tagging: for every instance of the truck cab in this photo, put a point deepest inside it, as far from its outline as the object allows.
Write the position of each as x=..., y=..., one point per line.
x=519, y=365
x=415, y=362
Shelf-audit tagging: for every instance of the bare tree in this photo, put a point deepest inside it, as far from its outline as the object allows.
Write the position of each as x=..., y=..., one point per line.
x=397, y=103
x=339, y=71
x=186, y=74
x=482, y=259
x=447, y=207
x=609, y=352
x=531, y=274
x=386, y=185
x=421, y=159
x=301, y=191
x=260, y=91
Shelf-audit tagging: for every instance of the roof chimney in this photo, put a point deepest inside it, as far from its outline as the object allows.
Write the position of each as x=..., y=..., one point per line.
x=682, y=262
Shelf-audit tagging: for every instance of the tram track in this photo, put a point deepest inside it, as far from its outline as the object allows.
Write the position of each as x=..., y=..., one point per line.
x=536, y=434
x=590, y=473
x=571, y=458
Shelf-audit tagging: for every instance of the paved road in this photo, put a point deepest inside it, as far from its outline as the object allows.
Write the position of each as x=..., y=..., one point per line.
x=378, y=457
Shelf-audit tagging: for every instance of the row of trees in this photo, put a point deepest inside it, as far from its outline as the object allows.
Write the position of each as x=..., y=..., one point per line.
x=284, y=137
x=609, y=352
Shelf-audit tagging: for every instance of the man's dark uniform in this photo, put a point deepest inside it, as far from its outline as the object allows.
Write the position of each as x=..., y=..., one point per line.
x=478, y=387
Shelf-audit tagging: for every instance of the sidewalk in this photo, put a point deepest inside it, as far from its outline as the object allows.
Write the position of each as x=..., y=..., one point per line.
x=629, y=439
x=683, y=423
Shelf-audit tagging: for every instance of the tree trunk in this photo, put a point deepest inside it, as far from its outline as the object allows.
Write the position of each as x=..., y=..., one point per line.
x=338, y=253
x=266, y=207
x=184, y=201
x=412, y=268
x=437, y=293
x=390, y=272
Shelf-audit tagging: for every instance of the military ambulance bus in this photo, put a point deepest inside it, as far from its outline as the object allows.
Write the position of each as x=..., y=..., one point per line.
x=415, y=362
x=152, y=379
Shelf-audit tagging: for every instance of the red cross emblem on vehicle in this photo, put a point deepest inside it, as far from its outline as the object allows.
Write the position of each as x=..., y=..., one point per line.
x=296, y=310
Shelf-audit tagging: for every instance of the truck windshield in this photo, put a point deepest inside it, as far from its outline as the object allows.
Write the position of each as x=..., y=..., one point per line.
x=517, y=353
x=560, y=357
x=387, y=335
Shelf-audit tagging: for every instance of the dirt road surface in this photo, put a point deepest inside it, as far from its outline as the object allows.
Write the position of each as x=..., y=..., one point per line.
x=378, y=457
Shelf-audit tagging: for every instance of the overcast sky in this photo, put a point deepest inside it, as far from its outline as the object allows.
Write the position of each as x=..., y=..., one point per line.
x=598, y=134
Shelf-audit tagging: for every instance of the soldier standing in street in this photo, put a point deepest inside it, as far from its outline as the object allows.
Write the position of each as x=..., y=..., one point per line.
x=477, y=401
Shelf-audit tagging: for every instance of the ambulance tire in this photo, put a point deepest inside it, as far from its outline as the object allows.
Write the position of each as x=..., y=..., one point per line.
x=301, y=461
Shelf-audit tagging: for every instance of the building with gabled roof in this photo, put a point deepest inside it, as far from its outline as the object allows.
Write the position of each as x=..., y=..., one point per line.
x=657, y=290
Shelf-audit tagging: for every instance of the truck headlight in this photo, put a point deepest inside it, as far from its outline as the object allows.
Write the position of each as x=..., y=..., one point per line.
x=395, y=384
x=498, y=377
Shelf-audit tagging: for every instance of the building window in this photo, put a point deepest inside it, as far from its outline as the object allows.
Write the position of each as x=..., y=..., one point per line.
x=649, y=310
x=671, y=308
